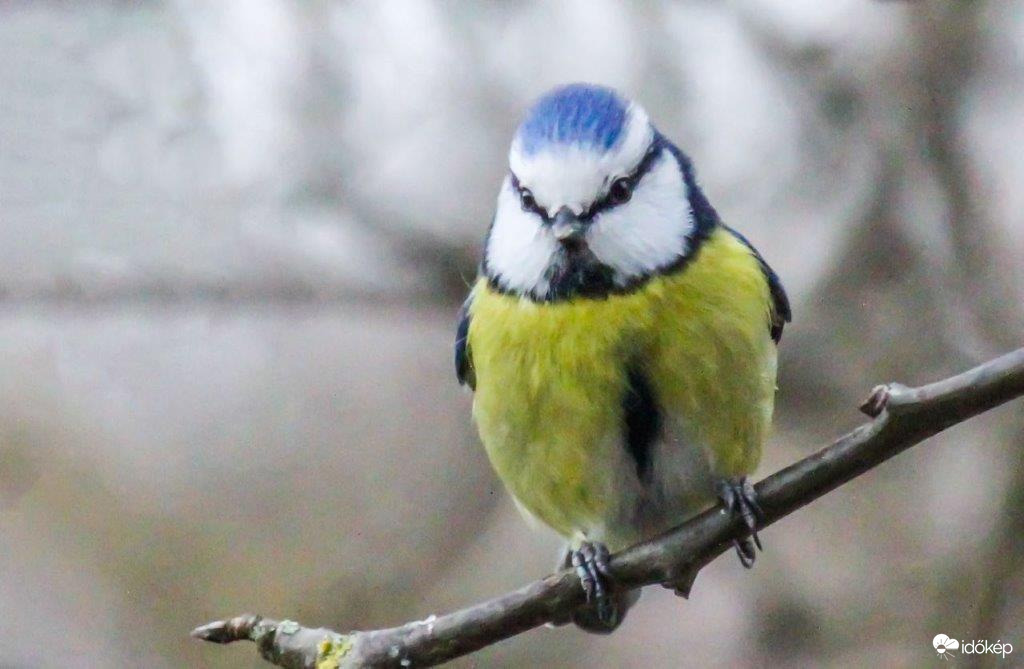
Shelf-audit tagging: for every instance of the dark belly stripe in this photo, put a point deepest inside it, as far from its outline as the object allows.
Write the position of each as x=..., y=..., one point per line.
x=642, y=419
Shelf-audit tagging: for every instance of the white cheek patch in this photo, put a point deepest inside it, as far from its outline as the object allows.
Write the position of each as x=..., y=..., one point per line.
x=649, y=231
x=575, y=176
x=519, y=250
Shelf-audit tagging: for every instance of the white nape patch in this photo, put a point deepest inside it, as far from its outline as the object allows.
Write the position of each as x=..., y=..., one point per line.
x=574, y=176
x=649, y=231
x=519, y=249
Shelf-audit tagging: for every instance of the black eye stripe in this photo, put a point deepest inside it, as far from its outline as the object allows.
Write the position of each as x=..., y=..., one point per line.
x=632, y=179
x=608, y=201
x=523, y=193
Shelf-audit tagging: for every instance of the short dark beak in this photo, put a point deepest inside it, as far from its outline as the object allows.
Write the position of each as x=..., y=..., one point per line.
x=567, y=228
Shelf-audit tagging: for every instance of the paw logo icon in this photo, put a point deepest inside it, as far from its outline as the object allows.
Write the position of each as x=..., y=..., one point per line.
x=944, y=645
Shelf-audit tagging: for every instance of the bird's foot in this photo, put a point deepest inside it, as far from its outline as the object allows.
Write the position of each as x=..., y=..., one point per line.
x=606, y=605
x=590, y=561
x=739, y=498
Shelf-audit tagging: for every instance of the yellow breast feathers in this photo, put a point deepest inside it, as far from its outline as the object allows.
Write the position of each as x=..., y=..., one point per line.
x=550, y=378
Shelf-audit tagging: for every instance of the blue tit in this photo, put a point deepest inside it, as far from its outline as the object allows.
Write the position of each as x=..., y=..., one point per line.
x=620, y=339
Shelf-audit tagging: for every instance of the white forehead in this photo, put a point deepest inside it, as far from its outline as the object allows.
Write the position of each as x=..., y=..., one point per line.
x=577, y=174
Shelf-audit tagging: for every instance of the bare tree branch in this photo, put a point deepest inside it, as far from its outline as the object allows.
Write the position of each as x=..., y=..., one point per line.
x=903, y=417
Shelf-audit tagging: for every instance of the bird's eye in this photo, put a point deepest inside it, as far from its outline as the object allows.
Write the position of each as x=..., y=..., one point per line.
x=621, y=191
x=528, y=201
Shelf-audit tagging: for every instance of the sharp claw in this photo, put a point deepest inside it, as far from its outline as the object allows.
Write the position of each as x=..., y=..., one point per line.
x=591, y=564
x=750, y=494
x=601, y=559
x=740, y=498
x=586, y=578
x=748, y=517
x=727, y=495
x=745, y=551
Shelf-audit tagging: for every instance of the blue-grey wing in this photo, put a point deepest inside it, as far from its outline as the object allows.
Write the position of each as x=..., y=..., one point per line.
x=463, y=360
x=781, y=313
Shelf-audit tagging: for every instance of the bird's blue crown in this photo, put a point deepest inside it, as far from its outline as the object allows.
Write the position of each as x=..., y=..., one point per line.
x=578, y=114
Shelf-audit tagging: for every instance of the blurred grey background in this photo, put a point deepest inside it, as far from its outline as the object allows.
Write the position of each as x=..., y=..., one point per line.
x=234, y=234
